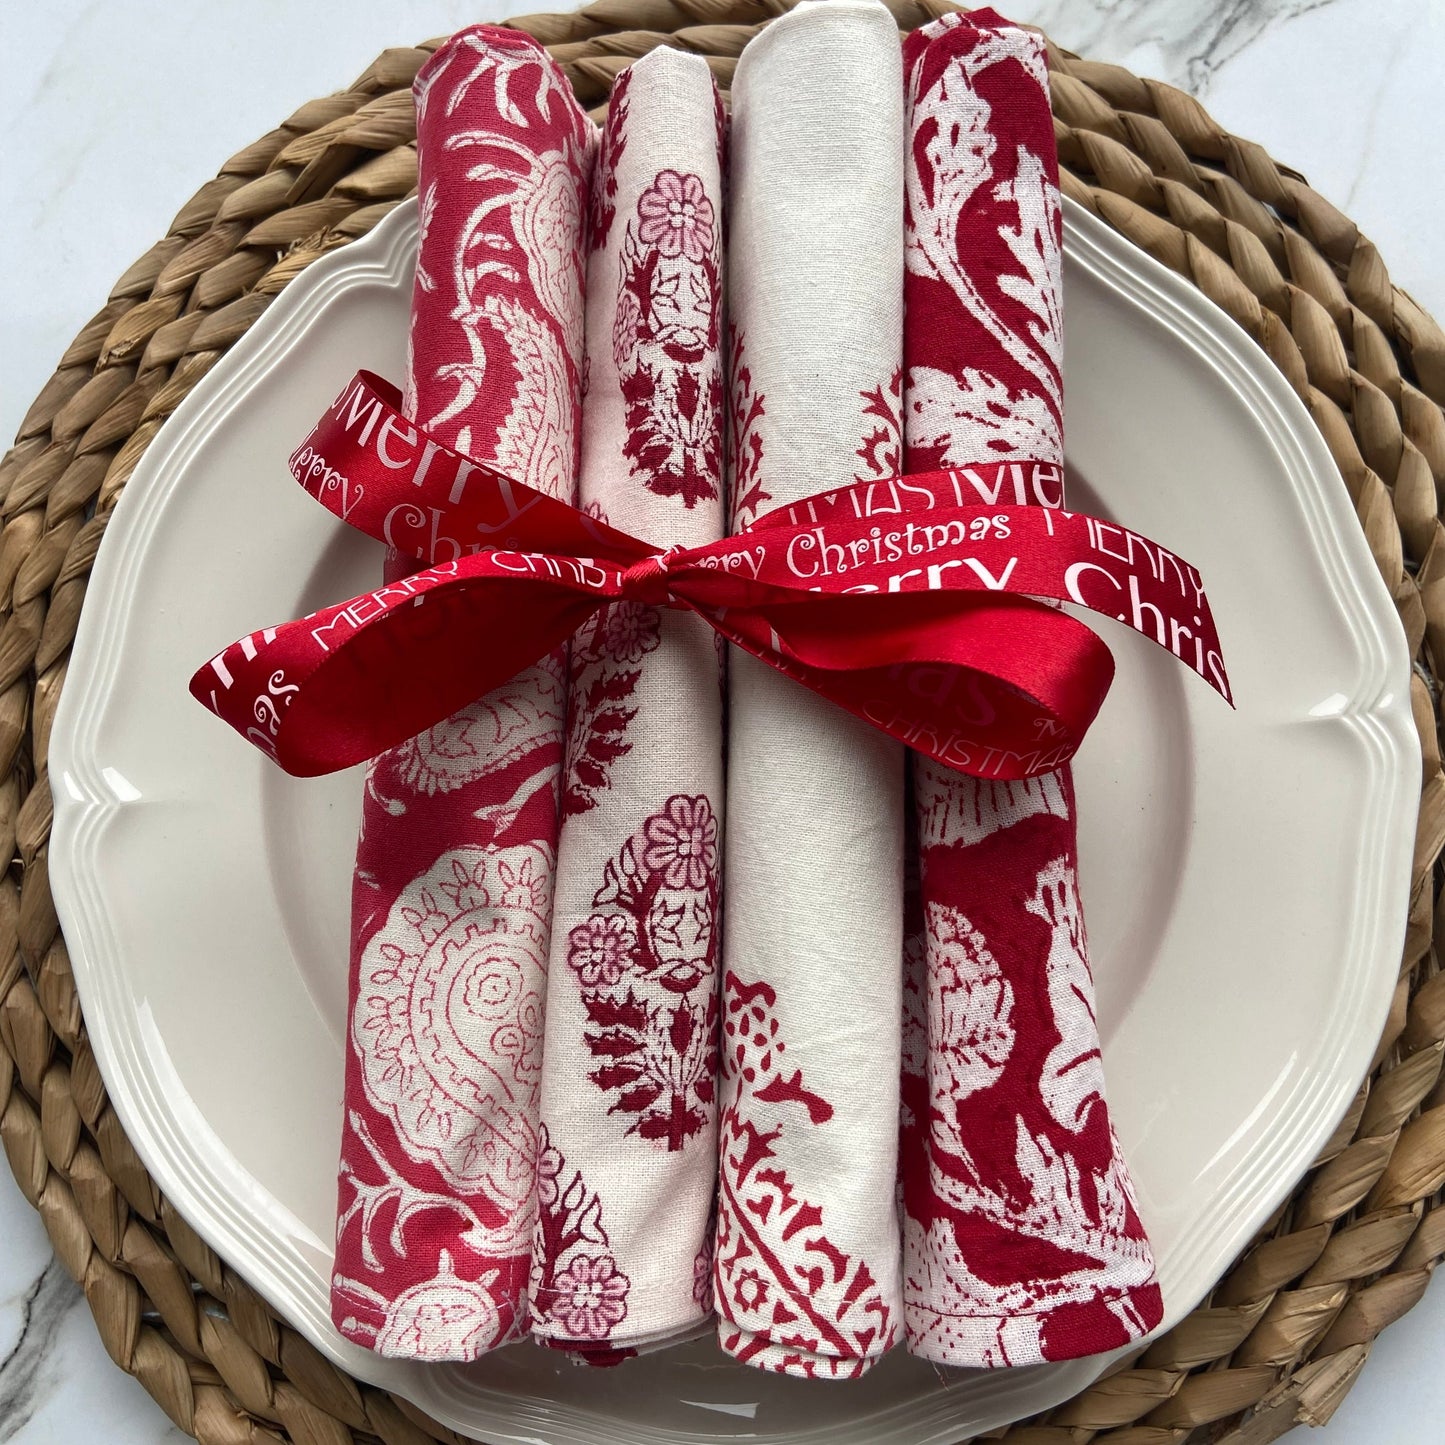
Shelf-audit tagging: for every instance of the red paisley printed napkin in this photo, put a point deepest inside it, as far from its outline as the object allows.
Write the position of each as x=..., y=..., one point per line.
x=808, y=1248
x=453, y=887
x=1023, y=1242
x=623, y=1246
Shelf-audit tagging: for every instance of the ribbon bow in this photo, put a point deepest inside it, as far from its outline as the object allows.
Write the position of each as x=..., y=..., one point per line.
x=911, y=602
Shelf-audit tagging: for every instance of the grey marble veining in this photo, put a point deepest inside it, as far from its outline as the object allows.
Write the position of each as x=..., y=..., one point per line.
x=57, y=1384
x=27, y=1307
x=1183, y=41
x=1345, y=91
x=28, y=1371
x=113, y=115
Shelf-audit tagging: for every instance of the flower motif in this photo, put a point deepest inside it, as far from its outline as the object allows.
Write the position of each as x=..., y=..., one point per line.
x=702, y=1277
x=549, y=1171
x=676, y=216
x=682, y=843
x=524, y=887
x=389, y=1021
x=591, y=1297
x=625, y=324
x=631, y=632
x=491, y=987
x=750, y=1289
x=601, y=949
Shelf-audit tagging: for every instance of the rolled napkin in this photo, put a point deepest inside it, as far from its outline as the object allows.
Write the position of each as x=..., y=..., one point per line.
x=1023, y=1240
x=808, y=1247
x=622, y=1254
x=452, y=897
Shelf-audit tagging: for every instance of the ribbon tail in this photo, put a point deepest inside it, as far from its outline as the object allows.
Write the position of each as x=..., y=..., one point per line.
x=352, y=680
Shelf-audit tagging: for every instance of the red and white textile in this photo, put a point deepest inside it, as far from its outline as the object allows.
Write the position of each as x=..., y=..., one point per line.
x=452, y=896
x=1023, y=1240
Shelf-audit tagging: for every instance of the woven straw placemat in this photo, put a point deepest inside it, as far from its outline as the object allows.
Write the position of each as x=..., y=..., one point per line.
x=1287, y=1329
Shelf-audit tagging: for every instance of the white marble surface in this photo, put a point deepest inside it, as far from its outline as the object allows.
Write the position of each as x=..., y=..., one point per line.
x=115, y=112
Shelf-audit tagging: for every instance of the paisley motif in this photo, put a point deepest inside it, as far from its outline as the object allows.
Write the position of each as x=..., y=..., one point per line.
x=453, y=885
x=488, y=735
x=448, y=1023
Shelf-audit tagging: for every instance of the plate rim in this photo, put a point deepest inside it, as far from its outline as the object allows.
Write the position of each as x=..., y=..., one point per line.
x=87, y=803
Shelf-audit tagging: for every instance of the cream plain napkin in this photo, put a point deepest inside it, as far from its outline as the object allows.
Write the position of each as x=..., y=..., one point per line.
x=808, y=1236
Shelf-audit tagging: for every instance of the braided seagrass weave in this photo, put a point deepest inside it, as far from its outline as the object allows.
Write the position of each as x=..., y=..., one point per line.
x=1286, y=1330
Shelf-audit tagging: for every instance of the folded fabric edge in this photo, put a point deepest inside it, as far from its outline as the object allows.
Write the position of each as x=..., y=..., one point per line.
x=811, y=15
x=779, y=1358
x=1017, y=1338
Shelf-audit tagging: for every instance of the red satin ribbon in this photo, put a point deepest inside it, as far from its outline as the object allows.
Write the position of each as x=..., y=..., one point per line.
x=910, y=602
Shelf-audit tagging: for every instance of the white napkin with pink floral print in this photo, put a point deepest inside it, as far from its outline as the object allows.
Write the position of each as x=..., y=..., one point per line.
x=622, y=1249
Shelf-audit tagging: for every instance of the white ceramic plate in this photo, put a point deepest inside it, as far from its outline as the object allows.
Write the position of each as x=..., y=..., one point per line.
x=1245, y=873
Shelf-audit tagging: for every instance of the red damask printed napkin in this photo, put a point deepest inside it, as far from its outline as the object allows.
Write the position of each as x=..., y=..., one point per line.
x=453, y=888
x=623, y=1247
x=808, y=1245
x=1023, y=1241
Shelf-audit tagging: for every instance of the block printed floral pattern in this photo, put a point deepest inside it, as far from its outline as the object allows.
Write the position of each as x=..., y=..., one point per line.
x=606, y=657
x=646, y=962
x=577, y=1283
x=807, y=1280
x=1022, y=1238
x=824, y=1313
x=630, y=1071
x=453, y=888
x=746, y=407
x=818, y=1312
x=665, y=339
